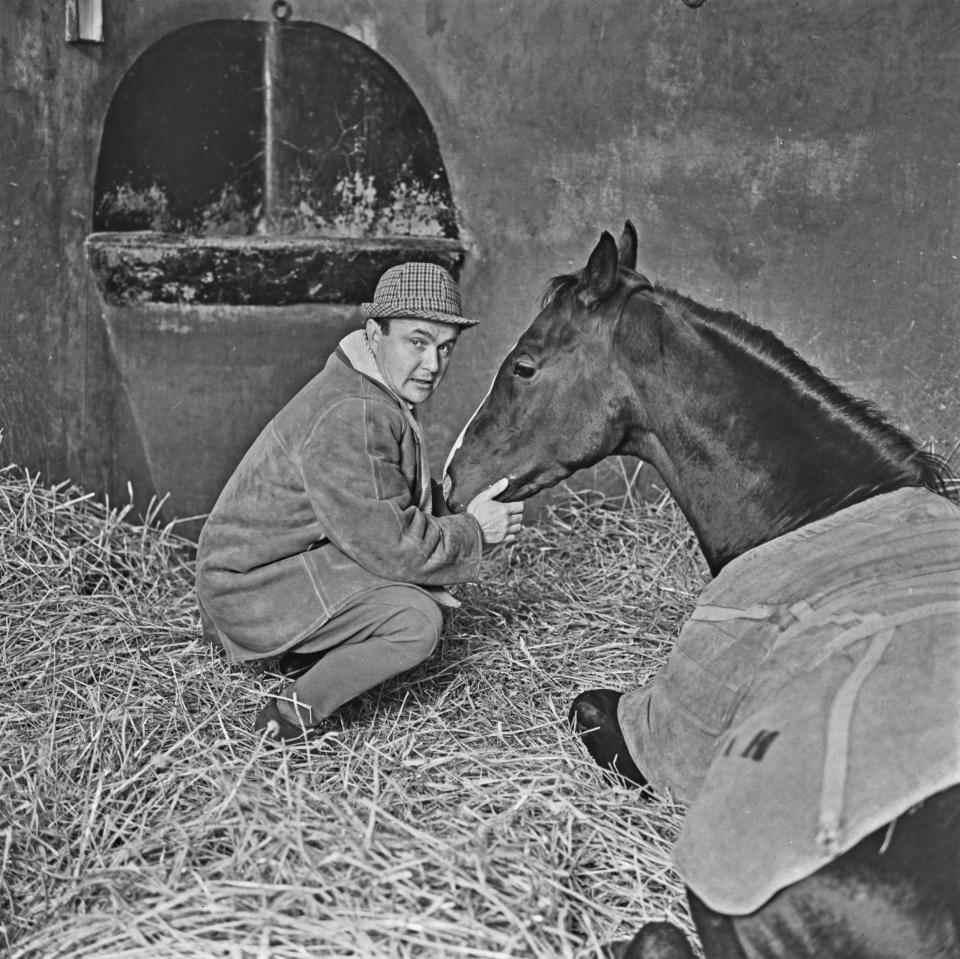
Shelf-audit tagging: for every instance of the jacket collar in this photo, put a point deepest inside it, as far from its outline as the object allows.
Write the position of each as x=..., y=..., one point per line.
x=356, y=351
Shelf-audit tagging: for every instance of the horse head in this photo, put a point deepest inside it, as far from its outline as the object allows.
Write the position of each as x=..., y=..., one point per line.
x=560, y=399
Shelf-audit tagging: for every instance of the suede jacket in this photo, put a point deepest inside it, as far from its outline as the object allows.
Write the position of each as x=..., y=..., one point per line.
x=333, y=499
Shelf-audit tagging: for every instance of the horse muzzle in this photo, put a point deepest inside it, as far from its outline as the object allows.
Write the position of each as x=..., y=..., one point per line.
x=458, y=495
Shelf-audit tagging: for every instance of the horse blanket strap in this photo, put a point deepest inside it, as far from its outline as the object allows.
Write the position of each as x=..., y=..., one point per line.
x=812, y=697
x=838, y=737
x=724, y=614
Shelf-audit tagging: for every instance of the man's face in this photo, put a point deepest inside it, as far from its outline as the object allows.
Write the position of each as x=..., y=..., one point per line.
x=414, y=355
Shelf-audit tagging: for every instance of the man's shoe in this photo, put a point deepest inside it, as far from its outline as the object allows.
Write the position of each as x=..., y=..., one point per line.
x=276, y=728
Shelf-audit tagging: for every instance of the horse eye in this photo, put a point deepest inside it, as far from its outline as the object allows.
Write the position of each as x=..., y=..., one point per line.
x=524, y=369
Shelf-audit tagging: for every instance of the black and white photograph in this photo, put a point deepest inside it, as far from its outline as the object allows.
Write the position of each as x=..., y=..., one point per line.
x=480, y=479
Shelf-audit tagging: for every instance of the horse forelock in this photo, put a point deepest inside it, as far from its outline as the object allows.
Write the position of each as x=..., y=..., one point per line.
x=559, y=287
x=891, y=444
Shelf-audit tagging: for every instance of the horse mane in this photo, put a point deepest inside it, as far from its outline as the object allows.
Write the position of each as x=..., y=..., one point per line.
x=891, y=444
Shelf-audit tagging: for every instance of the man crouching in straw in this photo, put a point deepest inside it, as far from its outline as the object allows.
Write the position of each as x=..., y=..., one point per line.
x=330, y=543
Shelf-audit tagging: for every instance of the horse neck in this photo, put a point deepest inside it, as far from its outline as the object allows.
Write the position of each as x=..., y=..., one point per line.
x=756, y=461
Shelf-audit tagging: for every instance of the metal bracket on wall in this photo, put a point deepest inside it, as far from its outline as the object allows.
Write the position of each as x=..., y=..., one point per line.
x=84, y=21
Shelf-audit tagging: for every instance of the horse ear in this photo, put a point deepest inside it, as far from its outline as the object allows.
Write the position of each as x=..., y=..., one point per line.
x=628, y=246
x=600, y=275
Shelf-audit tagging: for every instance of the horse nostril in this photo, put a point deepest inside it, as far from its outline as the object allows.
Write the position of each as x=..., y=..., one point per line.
x=448, y=486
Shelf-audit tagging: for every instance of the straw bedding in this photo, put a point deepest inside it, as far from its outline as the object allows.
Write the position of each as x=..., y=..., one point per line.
x=453, y=815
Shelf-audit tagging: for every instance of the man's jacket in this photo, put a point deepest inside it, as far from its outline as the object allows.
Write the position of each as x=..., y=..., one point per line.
x=333, y=499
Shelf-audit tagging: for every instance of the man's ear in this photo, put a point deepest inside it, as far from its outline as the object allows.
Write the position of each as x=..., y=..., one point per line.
x=373, y=332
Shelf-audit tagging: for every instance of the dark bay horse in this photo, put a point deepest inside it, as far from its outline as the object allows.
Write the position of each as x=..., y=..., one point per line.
x=758, y=448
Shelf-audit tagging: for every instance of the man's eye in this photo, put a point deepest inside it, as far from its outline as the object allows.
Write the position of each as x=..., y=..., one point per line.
x=446, y=349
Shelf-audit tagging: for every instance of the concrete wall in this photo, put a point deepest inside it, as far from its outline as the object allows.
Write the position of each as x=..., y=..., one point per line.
x=797, y=163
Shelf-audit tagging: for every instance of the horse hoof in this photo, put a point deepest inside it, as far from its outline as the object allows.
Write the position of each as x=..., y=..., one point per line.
x=593, y=716
x=656, y=940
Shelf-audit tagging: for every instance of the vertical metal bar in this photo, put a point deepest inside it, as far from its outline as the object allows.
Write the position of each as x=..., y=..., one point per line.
x=271, y=159
x=73, y=21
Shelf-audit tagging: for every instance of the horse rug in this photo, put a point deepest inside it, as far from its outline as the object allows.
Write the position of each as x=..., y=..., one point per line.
x=812, y=697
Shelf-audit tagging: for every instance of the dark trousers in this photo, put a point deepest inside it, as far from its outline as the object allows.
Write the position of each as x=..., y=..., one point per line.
x=379, y=635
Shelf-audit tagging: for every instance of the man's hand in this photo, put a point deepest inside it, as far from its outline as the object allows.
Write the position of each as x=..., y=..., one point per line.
x=499, y=522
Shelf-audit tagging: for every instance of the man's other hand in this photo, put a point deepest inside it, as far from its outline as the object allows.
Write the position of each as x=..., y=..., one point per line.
x=499, y=522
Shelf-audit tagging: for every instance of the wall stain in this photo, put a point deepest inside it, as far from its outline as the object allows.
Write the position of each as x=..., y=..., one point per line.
x=436, y=20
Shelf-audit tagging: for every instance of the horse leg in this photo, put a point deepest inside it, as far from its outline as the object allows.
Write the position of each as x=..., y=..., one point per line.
x=593, y=716
x=857, y=917
x=716, y=931
x=840, y=912
x=656, y=940
x=892, y=896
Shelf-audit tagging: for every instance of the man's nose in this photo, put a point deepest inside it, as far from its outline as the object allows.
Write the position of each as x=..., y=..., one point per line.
x=431, y=360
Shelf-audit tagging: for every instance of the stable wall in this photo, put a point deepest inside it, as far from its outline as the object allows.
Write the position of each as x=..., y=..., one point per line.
x=794, y=163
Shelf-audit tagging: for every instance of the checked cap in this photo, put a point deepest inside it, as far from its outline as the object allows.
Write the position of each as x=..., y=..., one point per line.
x=418, y=291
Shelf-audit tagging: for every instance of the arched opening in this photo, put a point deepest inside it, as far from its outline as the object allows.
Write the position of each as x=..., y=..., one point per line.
x=254, y=181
